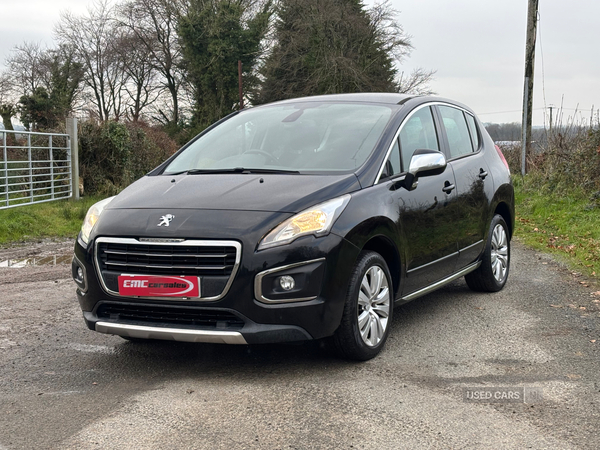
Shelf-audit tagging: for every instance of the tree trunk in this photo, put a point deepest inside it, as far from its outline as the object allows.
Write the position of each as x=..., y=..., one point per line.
x=7, y=111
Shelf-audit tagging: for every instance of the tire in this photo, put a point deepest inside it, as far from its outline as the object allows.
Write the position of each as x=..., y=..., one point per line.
x=492, y=274
x=368, y=310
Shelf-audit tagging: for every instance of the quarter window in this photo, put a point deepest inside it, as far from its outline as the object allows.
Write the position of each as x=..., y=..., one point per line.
x=392, y=165
x=459, y=138
x=418, y=132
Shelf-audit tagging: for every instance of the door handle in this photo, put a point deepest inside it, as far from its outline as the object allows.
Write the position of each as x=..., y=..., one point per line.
x=448, y=187
x=482, y=174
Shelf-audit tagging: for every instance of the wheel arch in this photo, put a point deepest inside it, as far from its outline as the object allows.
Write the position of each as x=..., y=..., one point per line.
x=503, y=209
x=504, y=204
x=379, y=234
x=388, y=251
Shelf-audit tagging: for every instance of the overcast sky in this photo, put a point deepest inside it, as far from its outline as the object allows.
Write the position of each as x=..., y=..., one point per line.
x=477, y=48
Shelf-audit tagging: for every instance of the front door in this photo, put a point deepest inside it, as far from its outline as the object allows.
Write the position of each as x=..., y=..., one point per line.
x=426, y=213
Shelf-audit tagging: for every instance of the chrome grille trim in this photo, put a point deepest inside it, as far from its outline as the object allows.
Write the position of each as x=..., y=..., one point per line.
x=177, y=255
x=187, y=243
x=156, y=266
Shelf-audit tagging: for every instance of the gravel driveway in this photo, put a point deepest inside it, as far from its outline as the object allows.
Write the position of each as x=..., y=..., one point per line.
x=63, y=386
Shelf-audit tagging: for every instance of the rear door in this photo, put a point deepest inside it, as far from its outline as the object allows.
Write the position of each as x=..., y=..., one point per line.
x=474, y=186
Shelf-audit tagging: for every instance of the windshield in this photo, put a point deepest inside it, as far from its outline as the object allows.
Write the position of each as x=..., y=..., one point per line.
x=304, y=137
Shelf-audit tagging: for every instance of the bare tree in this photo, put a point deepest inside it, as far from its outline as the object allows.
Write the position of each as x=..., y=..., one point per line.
x=117, y=79
x=27, y=66
x=66, y=74
x=93, y=38
x=388, y=32
x=397, y=43
x=154, y=25
x=142, y=89
x=416, y=83
x=41, y=84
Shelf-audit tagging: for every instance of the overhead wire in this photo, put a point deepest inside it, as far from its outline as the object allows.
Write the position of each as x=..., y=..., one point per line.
x=506, y=112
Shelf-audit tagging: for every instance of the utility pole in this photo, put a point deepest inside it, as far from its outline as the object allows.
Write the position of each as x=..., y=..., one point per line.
x=532, y=14
x=551, y=107
x=240, y=84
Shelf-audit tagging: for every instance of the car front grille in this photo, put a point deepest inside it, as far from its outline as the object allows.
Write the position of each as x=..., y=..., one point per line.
x=214, y=261
x=169, y=315
x=166, y=259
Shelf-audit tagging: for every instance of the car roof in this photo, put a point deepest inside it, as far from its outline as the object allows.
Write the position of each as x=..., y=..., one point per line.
x=389, y=98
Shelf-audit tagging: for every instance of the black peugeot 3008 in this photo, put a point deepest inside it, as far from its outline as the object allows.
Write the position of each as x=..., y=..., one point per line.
x=303, y=219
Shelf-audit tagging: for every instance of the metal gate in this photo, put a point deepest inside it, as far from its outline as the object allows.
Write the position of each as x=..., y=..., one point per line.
x=36, y=168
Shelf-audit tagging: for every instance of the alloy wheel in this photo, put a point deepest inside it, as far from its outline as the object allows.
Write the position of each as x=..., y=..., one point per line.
x=499, y=253
x=373, y=306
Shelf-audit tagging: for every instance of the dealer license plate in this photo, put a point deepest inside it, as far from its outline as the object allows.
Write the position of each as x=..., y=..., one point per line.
x=158, y=286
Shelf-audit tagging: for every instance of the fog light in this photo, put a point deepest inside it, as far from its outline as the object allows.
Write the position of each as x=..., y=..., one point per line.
x=287, y=283
x=79, y=275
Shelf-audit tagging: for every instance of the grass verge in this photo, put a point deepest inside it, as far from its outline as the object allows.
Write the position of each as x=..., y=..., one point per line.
x=61, y=218
x=564, y=224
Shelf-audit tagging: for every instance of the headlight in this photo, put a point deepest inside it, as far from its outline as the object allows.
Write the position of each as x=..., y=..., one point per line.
x=92, y=217
x=316, y=220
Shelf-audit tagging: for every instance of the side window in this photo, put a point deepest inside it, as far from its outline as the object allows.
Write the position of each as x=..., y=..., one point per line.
x=418, y=132
x=473, y=131
x=459, y=138
x=392, y=165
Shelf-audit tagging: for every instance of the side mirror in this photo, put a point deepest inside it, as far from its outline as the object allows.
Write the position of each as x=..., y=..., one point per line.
x=424, y=162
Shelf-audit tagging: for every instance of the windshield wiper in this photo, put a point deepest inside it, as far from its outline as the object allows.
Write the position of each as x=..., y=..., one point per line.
x=238, y=170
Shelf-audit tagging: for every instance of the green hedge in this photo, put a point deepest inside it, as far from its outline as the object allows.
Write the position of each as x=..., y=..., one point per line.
x=567, y=160
x=112, y=155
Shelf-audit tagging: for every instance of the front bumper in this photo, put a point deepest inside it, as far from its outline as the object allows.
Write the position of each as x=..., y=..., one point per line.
x=244, y=331
x=260, y=320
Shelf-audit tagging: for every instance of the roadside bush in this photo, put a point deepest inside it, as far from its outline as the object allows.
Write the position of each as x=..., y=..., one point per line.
x=566, y=160
x=512, y=153
x=571, y=160
x=112, y=154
